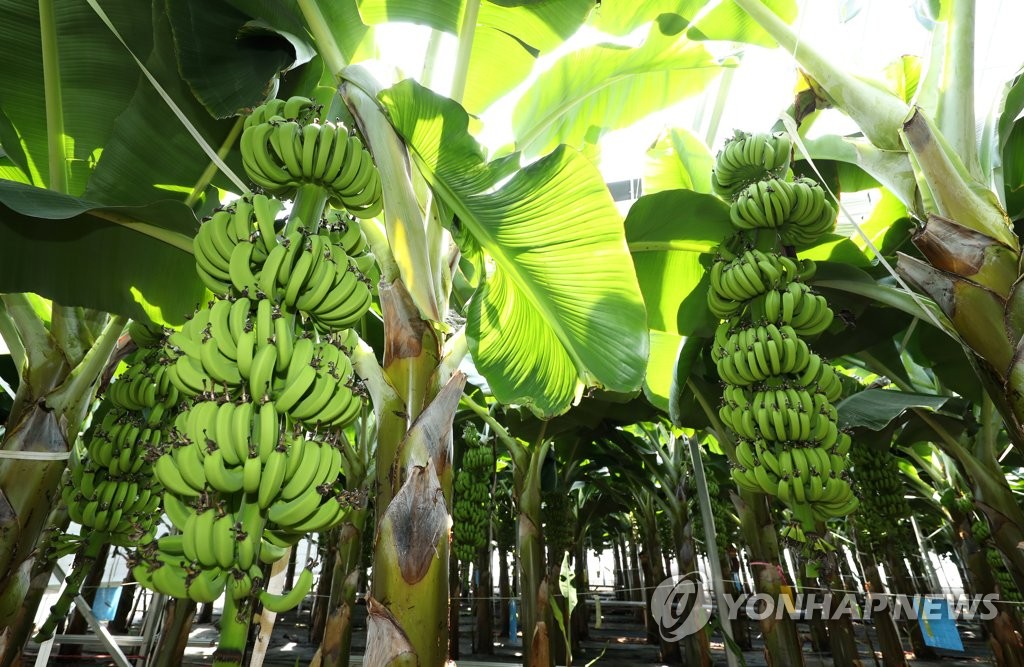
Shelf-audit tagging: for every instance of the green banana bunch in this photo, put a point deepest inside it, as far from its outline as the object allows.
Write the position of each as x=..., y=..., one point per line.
x=749, y=158
x=108, y=487
x=884, y=511
x=346, y=232
x=472, y=493
x=720, y=514
x=559, y=521
x=1007, y=588
x=778, y=396
x=281, y=151
x=242, y=253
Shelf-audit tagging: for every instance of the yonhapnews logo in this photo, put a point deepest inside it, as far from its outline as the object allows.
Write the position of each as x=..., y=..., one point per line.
x=678, y=606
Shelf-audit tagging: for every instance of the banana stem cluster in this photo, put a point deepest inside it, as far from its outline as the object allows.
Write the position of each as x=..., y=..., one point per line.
x=254, y=460
x=778, y=393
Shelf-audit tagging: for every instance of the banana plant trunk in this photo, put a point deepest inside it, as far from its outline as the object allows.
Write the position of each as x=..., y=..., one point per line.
x=904, y=584
x=581, y=614
x=504, y=593
x=696, y=648
x=178, y=616
x=1004, y=631
x=454, y=609
x=324, y=583
x=782, y=644
x=534, y=592
x=885, y=626
x=38, y=581
x=347, y=571
x=555, y=637
x=654, y=571
x=841, y=635
x=51, y=403
x=408, y=601
x=484, y=610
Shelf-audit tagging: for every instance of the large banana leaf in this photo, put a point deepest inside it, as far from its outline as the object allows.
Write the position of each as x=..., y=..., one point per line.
x=111, y=114
x=875, y=408
x=724, y=22
x=667, y=233
x=352, y=37
x=678, y=160
x=146, y=125
x=561, y=307
x=600, y=88
x=229, y=46
x=508, y=37
x=80, y=253
x=509, y=40
x=97, y=81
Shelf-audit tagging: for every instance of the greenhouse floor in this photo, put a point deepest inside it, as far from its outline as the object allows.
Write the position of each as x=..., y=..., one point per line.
x=621, y=642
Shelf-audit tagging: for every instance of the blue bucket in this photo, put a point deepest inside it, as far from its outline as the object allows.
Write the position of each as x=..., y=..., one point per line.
x=105, y=603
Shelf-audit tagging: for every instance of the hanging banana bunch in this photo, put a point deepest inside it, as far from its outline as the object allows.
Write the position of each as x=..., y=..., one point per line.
x=471, y=515
x=884, y=510
x=778, y=393
x=719, y=511
x=108, y=487
x=255, y=461
x=283, y=147
x=982, y=533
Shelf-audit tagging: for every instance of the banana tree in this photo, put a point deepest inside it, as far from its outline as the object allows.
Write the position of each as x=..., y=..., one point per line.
x=534, y=342
x=925, y=150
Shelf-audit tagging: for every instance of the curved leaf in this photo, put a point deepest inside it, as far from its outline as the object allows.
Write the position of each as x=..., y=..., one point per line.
x=508, y=41
x=875, y=408
x=443, y=15
x=71, y=250
x=690, y=349
x=661, y=367
x=147, y=126
x=728, y=23
x=621, y=17
x=353, y=38
x=562, y=306
x=217, y=47
x=678, y=160
x=97, y=81
x=600, y=88
x=667, y=233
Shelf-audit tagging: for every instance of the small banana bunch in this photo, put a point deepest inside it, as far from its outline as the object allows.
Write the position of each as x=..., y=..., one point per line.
x=749, y=158
x=1007, y=588
x=884, y=509
x=472, y=492
x=108, y=485
x=109, y=488
x=719, y=512
x=239, y=253
x=283, y=147
x=559, y=522
x=778, y=393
